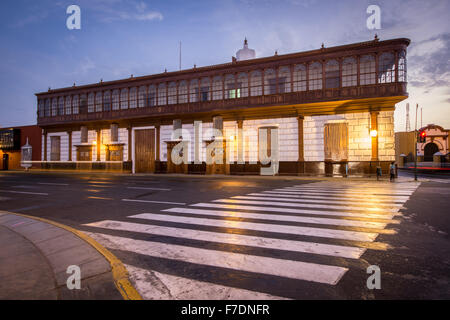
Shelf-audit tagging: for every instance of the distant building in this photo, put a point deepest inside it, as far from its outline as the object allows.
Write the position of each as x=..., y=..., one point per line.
x=330, y=108
x=11, y=142
x=436, y=141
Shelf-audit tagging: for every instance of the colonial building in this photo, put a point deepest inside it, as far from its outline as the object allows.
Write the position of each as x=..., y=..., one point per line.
x=436, y=143
x=11, y=142
x=323, y=111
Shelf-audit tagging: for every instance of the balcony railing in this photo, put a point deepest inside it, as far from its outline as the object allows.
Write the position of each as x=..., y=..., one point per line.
x=291, y=98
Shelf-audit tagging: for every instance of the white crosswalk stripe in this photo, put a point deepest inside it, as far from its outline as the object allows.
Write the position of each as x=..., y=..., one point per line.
x=325, y=222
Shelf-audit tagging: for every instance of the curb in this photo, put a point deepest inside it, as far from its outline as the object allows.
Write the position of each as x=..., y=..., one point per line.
x=119, y=272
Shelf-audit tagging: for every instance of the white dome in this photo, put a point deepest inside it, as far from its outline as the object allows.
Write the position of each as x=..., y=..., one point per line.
x=245, y=53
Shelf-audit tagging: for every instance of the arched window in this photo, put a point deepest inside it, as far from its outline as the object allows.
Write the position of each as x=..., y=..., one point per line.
x=133, y=97
x=299, y=77
x=367, y=70
x=107, y=101
x=402, y=66
x=142, y=96
x=75, y=104
x=91, y=102
x=332, y=78
x=54, y=107
x=61, y=106
x=68, y=105
x=284, y=79
x=162, y=94
x=151, y=97
x=315, y=76
x=116, y=99
x=48, y=112
x=83, y=103
x=230, y=87
x=349, y=72
x=193, y=91
x=386, y=68
x=242, y=84
x=41, y=108
x=98, y=102
x=256, y=83
x=182, y=92
x=270, y=82
x=172, y=91
x=217, y=88
x=124, y=98
x=205, y=90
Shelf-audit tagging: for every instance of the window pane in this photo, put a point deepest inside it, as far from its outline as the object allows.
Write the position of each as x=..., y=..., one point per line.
x=332, y=74
x=124, y=99
x=349, y=72
x=133, y=97
x=402, y=66
x=255, y=83
x=270, y=84
x=75, y=104
x=98, y=102
x=182, y=92
x=68, y=105
x=205, y=90
x=284, y=79
x=300, y=77
x=116, y=100
x=91, y=100
x=162, y=95
x=193, y=91
x=367, y=70
x=315, y=76
x=217, y=88
x=107, y=101
x=172, y=93
x=242, y=84
x=386, y=68
x=151, y=97
x=61, y=106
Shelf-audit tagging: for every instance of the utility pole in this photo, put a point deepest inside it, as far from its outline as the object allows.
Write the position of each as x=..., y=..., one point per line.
x=415, y=143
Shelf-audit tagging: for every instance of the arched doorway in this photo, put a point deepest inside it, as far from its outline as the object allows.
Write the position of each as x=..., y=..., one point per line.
x=430, y=149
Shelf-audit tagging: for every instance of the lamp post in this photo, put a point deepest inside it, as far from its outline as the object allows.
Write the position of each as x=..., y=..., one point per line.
x=415, y=143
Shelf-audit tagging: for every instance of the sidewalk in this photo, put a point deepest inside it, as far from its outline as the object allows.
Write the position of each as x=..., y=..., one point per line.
x=35, y=254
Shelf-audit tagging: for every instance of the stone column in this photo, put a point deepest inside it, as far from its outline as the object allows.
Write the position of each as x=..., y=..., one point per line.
x=130, y=147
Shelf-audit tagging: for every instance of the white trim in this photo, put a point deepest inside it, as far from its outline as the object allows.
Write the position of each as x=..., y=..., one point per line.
x=131, y=148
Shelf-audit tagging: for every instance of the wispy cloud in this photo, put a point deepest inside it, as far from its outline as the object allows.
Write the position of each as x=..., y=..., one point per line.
x=124, y=10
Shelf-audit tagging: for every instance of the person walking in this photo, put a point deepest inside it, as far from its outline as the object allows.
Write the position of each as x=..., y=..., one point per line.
x=392, y=171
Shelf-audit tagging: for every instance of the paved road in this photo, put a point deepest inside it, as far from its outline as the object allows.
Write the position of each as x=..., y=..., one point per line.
x=254, y=238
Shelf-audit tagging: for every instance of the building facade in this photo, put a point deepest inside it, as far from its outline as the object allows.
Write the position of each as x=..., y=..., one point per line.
x=326, y=111
x=11, y=142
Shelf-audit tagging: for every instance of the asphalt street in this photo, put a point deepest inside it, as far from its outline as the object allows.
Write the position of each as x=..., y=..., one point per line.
x=226, y=237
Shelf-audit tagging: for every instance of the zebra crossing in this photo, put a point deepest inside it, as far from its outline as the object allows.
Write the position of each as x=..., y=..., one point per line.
x=310, y=233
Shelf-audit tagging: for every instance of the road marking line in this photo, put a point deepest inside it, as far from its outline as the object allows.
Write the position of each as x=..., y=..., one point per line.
x=307, y=231
x=53, y=184
x=305, y=205
x=351, y=196
x=100, y=198
x=154, y=201
x=24, y=192
x=154, y=285
x=145, y=188
x=353, y=191
x=343, y=200
x=236, y=239
x=235, y=261
x=289, y=210
x=275, y=218
x=362, y=206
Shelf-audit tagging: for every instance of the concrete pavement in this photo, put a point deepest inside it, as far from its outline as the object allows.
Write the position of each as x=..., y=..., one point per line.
x=35, y=256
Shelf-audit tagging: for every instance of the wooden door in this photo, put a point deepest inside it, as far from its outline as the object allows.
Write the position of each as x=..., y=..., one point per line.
x=144, y=151
x=55, y=151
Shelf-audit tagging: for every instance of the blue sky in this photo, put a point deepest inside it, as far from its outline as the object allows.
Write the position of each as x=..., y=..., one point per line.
x=123, y=37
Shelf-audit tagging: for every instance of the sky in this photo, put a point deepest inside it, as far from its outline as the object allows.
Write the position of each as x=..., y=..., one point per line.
x=123, y=37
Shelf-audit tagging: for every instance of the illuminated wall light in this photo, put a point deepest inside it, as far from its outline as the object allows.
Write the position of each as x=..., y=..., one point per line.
x=373, y=133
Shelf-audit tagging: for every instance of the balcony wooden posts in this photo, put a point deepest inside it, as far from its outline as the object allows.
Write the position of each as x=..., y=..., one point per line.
x=301, y=149
x=374, y=134
x=99, y=143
